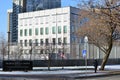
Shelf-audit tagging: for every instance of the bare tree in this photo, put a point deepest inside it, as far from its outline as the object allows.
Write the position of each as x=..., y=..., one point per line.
x=100, y=21
x=19, y=51
x=3, y=46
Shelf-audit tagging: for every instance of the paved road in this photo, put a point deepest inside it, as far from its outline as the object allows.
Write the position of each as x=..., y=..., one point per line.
x=34, y=79
x=112, y=77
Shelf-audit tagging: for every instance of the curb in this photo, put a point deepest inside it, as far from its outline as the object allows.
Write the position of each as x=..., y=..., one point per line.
x=103, y=74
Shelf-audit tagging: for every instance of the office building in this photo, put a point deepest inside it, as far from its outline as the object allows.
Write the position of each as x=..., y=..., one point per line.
x=9, y=20
x=21, y=6
x=52, y=26
x=34, y=5
x=18, y=7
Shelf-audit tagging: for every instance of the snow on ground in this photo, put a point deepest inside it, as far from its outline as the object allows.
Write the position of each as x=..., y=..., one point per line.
x=46, y=72
x=66, y=70
x=112, y=67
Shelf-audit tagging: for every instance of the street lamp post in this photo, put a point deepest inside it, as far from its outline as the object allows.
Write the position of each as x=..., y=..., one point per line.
x=63, y=54
x=85, y=47
x=31, y=51
x=50, y=51
x=8, y=43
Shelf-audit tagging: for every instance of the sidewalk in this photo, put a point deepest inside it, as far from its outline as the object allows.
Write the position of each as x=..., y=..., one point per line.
x=109, y=70
x=67, y=72
x=92, y=74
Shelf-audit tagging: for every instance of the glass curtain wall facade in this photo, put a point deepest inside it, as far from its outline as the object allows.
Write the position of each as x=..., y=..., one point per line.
x=34, y=5
x=18, y=7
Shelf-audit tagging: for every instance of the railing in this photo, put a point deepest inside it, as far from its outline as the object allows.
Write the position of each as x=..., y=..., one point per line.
x=49, y=51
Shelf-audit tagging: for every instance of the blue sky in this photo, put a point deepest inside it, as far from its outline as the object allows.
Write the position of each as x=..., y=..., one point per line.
x=7, y=4
x=4, y=5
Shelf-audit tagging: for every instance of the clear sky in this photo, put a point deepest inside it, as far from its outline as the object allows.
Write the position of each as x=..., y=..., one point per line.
x=4, y=5
x=7, y=4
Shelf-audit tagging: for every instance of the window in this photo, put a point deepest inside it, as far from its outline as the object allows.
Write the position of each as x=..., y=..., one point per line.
x=41, y=41
x=36, y=42
x=25, y=43
x=72, y=29
x=41, y=31
x=59, y=41
x=30, y=32
x=53, y=30
x=21, y=32
x=46, y=30
x=65, y=29
x=59, y=29
x=41, y=51
x=25, y=33
x=21, y=42
x=65, y=40
x=73, y=39
x=36, y=31
x=53, y=40
x=30, y=42
x=47, y=41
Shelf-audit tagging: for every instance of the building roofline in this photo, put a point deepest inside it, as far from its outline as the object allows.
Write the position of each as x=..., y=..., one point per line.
x=10, y=10
x=51, y=9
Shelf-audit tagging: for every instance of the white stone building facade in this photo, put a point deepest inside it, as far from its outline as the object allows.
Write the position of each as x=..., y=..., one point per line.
x=52, y=26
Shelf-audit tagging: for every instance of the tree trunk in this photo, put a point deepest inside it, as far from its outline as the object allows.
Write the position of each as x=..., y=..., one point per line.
x=106, y=57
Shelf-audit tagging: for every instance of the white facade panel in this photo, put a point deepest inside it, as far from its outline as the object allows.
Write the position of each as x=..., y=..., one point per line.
x=57, y=21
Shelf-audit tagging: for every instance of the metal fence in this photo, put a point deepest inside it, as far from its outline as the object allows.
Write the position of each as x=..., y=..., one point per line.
x=36, y=51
